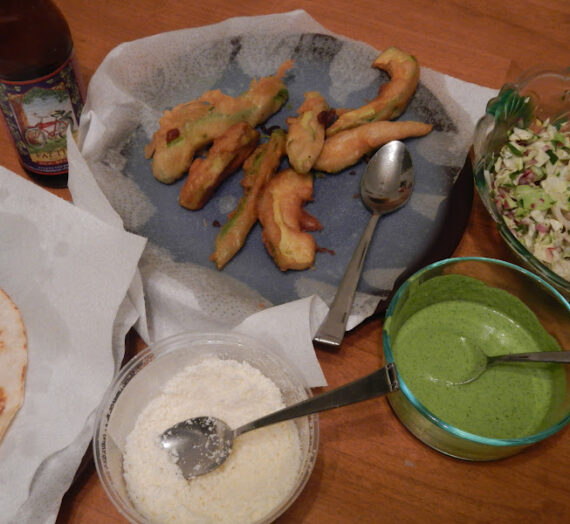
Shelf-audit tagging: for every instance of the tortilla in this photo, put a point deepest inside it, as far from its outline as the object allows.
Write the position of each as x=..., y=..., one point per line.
x=13, y=361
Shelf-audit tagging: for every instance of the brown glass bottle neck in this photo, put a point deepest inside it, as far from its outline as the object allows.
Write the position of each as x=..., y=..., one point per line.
x=34, y=39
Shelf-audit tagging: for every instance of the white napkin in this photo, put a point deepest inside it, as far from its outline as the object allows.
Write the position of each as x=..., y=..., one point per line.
x=68, y=273
x=292, y=327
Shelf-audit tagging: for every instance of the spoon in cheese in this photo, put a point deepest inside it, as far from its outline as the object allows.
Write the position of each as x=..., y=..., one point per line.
x=200, y=445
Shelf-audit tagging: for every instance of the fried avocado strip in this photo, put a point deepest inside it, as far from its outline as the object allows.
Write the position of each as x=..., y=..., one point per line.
x=347, y=148
x=163, y=147
x=226, y=155
x=258, y=169
x=306, y=133
x=177, y=140
x=285, y=222
x=393, y=96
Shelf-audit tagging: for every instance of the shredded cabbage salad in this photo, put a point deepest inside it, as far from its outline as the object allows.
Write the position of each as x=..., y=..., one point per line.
x=530, y=184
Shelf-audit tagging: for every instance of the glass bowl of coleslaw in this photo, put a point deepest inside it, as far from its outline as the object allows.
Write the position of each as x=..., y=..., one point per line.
x=522, y=170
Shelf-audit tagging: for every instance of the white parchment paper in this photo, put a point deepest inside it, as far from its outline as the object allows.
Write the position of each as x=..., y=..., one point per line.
x=69, y=274
x=139, y=79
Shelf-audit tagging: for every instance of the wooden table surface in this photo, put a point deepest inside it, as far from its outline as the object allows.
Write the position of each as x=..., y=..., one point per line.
x=369, y=468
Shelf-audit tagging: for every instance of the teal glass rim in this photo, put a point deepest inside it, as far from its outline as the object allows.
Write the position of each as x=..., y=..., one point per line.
x=497, y=442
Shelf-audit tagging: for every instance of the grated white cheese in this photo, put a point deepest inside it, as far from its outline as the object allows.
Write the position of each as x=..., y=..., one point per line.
x=260, y=472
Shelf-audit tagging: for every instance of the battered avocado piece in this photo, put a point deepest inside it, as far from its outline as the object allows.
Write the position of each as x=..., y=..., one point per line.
x=285, y=222
x=225, y=157
x=258, y=169
x=393, y=96
x=213, y=114
x=306, y=134
x=347, y=147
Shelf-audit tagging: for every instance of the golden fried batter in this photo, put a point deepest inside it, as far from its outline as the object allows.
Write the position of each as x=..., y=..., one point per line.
x=258, y=169
x=347, y=148
x=174, y=145
x=227, y=154
x=168, y=135
x=306, y=133
x=393, y=96
x=285, y=222
x=267, y=95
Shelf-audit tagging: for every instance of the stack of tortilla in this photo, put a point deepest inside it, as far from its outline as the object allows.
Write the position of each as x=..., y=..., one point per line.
x=13, y=361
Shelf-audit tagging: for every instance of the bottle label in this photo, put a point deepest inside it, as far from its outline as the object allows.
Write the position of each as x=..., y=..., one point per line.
x=39, y=112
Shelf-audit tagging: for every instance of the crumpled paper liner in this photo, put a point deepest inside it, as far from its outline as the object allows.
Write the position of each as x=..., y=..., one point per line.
x=129, y=91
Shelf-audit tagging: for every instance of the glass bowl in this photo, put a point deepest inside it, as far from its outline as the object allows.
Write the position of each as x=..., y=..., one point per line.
x=142, y=380
x=539, y=93
x=550, y=308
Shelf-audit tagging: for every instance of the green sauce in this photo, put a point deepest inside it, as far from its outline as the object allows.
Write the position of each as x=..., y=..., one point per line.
x=438, y=332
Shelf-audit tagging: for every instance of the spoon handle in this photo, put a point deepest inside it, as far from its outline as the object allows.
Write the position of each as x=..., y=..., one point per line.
x=562, y=357
x=376, y=384
x=331, y=332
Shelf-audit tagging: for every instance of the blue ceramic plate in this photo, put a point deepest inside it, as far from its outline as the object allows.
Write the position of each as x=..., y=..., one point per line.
x=428, y=228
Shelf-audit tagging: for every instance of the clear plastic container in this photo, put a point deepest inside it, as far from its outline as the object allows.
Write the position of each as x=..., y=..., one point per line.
x=142, y=379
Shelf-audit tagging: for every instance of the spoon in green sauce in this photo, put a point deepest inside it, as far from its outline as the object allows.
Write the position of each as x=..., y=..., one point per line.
x=484, y=361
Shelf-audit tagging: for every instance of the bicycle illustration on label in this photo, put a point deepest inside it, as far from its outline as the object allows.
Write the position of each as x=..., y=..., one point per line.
x=43, y=116
x=39, y=114
x=45, y=130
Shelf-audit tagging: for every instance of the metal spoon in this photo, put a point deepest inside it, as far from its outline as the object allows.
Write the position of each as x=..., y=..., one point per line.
x=200, y=445
x=561, y=357
x=386, y=185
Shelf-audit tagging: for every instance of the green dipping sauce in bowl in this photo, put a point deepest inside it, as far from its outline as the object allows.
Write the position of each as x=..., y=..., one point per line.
x=436, y=329
x=438, y=347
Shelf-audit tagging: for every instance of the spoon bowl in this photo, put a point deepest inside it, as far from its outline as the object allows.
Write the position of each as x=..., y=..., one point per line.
x=485, y=361
x=386, y=186
x=200, y=444
x=388, y=180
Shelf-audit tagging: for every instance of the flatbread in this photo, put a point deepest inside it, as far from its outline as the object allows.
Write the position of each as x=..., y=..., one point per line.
x=13, y=361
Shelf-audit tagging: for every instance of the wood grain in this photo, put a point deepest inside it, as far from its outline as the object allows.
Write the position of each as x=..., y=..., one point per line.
x=369, y=468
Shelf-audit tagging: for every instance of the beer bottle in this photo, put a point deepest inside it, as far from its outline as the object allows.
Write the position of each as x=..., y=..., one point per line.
x=41, y=94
